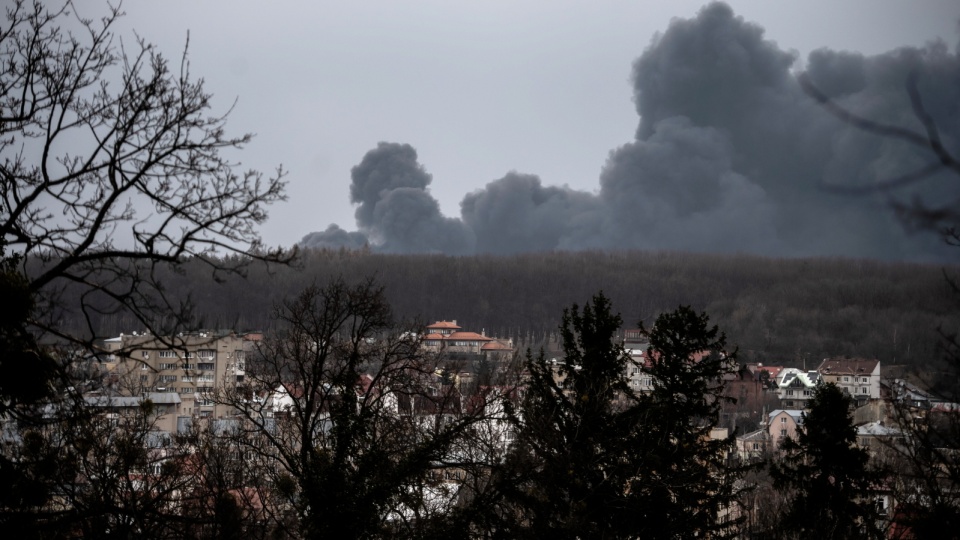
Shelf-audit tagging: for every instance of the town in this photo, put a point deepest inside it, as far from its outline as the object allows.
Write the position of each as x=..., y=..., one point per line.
x=252, y=397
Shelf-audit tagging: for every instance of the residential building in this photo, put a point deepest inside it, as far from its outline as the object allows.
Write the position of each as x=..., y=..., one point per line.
x=858, y=377
x=449, y=337
x=795, y=387
x=191, y=365
x=783, y=424
x=753, y=446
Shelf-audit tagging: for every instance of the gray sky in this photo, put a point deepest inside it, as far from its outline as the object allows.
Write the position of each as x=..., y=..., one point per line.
x=478, y=88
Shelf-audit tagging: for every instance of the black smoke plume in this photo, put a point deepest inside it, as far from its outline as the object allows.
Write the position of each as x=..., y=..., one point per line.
x=730, y=155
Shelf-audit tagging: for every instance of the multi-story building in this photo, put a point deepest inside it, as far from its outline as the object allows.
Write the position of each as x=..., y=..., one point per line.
x=858, y=377
x=448, y=336
x=783, y=424
x=795, y=387
x=190, y=365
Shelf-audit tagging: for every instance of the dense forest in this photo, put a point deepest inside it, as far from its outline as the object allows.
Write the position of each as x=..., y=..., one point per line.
x=777, y=311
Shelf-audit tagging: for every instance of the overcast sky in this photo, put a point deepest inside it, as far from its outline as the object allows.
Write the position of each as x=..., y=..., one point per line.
x=477, y=88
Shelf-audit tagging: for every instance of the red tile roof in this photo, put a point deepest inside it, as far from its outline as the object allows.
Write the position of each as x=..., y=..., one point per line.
x=443, y=325
x=848, y=366
x=495, y=345
x=467, y=336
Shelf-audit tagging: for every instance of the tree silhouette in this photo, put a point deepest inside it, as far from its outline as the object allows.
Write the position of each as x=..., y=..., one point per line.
x=594, y=458
x=827, y=473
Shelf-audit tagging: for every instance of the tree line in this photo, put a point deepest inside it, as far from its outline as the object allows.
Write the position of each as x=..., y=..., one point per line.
x=791, y=312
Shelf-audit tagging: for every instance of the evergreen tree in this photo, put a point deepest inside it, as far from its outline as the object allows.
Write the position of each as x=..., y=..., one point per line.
x=688, y=487
x=827, y=473
x=594, y=458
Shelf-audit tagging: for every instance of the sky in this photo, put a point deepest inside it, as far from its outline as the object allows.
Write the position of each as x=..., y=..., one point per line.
x=533, y=125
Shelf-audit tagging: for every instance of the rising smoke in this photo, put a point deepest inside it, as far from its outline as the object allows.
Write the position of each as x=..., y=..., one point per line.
x=730, y=156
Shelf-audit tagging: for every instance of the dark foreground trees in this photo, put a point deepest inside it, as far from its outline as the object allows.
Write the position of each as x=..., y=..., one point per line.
x=827, y=474
x=596, y=458
x=928, y=481
x=112, y=165
x=362, y=430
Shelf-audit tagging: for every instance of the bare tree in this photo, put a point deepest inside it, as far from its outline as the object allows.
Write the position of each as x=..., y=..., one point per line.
x=927, y=479
x=111, y=163
x=942, y=215
x=357, y=427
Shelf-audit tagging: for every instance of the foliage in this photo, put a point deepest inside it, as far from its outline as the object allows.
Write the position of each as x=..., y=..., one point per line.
x=689, y=486
x=778, y=311
x=100, y=137
x=594, y=458
x=827, y=473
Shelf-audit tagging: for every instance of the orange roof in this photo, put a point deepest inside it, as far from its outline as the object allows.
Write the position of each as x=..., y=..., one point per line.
x=495, y=345
x=443, y=325
x=467, y=336
x=433, y=335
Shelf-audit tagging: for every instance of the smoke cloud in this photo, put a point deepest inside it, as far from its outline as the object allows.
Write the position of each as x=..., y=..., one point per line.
x=730, y=155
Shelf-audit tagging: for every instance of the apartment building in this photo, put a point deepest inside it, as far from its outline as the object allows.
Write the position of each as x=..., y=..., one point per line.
x=858, y=377
x=191, y=365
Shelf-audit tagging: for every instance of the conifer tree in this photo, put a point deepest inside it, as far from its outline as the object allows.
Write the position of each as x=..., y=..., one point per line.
x=827, y=472
x=594, y=458
x=687, y=485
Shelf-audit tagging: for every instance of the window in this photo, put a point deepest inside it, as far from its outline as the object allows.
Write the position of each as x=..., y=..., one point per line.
x=186, y=378
x=846, y=379
x=186, y=390
x=789, y=392
x=168, y=354
x=144, y=378
x=205, y=366
x=783, y=420
x=206, y=353
x=756, y=446
x=783, y=433
x=167, y=366
x=806, y=393
x=167, y=378
x=863, y=390
x=145, y=354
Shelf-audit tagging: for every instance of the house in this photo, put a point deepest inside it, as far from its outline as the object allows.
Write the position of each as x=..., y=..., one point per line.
x=449, y=337
x=878, y=438
x=795, y=387
x=637, y=370
x=768, y=375
x=782, y=424
x=192, y=365
x=753, y=446
x=857, y=377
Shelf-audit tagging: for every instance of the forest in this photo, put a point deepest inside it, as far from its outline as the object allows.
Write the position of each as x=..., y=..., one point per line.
x=791, y=312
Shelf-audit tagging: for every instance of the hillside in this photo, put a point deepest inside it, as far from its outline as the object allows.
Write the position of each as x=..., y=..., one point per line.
x=787, y=311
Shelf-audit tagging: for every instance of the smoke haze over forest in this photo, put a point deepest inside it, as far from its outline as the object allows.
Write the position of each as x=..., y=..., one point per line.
x=730, y=155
